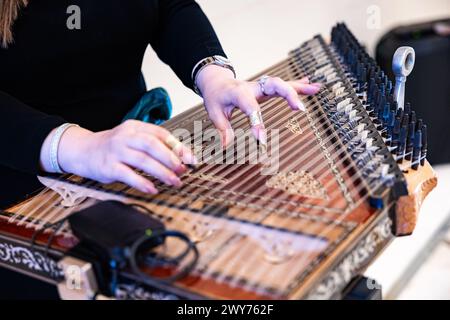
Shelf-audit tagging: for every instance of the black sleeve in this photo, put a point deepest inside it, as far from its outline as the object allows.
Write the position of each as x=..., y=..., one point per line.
x=22, y=133
x=184, y=36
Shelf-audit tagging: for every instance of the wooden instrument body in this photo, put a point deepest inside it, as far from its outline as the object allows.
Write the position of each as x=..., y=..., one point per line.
x=259, y=237
x=348, y=247
x=323, y=274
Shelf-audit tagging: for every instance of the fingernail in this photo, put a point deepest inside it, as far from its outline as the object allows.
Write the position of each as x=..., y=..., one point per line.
x=223, y=139
x=316, y=84
x=150, y=189
x=175, y=181
x=226, y=137
x=180, y=169
x=262, y=136
x=190, y=161
x=305, y=79
x=300, y=106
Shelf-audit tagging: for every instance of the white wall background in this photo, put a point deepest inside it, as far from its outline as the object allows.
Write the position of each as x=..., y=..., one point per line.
x=259, y=33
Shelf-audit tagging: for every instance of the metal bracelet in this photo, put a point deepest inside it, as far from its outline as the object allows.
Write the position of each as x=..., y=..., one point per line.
x=54, y=144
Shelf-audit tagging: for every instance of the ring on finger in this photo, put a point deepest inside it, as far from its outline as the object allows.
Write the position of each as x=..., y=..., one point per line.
x=262, y=83
x=173, y=143
x=255, y=118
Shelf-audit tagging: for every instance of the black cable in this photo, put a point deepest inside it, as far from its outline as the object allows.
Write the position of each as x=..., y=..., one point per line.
x=39, y=231
x=58, y=225
x=176, y=259
x=134, y=253
x=147, y=210
x=187, y=240
x=52, y=236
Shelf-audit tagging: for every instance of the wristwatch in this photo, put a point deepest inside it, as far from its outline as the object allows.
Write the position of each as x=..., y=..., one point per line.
x=215, y=60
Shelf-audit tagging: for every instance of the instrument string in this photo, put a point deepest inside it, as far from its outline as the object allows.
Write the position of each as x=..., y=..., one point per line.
x=275, y=117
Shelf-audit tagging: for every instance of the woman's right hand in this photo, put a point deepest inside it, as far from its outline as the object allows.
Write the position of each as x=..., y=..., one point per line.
x=111, y=155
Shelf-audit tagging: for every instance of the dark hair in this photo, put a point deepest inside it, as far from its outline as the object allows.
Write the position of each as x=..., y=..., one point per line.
x=9, y=10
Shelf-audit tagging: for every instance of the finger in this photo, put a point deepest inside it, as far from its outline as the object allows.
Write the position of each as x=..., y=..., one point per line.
x=304, y=80
x=305, y=89
x=278, y=87
x=181, y=151
x=123, y=173
x=248, y=104
x=159, y=151
x=222, y=124
x=142, y=161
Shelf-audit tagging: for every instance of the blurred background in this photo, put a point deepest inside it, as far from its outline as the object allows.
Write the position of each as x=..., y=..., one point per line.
x=258, y=33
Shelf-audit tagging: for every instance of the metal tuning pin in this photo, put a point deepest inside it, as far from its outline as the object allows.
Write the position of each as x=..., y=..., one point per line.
x=389, y=88
x=417, y=149
x=401, y=144
x=396, y=128
x=413, y=116
x=424, y=145
x=419, y=124
x=385, y=118
x=390, y=127
x=407, y=108
x=402, y=65
x=384, y=103
x=410, y=140
x=400, y=113
x=394, y=105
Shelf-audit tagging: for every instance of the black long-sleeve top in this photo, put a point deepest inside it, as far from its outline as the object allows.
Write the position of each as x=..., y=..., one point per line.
x=91, y=76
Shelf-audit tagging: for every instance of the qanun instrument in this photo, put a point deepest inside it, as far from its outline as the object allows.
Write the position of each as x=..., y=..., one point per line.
x=351, y=176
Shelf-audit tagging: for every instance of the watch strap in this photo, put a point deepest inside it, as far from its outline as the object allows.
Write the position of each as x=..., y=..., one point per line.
x=214, y=60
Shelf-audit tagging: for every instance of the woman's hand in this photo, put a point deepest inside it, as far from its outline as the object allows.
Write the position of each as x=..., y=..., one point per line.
x=111, y=155
x=222, y=94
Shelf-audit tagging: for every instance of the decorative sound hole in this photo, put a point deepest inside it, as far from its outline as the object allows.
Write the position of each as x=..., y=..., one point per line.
x=294, y=126
x=277, y=251
x=70, y=198
x=200, y=230
x=300, y=183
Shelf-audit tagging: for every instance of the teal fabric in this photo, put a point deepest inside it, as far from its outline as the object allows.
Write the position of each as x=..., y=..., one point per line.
x=154, y=107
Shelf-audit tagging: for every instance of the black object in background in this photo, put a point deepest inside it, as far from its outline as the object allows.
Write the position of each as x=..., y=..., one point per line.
x=428, y=86
x=363, y=288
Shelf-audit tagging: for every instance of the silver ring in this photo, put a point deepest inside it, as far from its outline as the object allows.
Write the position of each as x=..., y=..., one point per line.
x=262, y=82
x=255, y=118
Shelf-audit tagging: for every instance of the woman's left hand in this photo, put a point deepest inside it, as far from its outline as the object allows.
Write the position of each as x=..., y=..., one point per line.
x=222, y=94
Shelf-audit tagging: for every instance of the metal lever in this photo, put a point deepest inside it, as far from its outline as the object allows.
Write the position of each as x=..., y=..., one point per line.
x=402, y=65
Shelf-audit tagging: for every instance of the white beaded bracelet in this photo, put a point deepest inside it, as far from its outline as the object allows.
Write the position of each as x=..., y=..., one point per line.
x=55, y=144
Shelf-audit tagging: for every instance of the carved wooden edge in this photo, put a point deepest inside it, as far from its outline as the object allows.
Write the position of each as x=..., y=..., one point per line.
x=420, y=183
